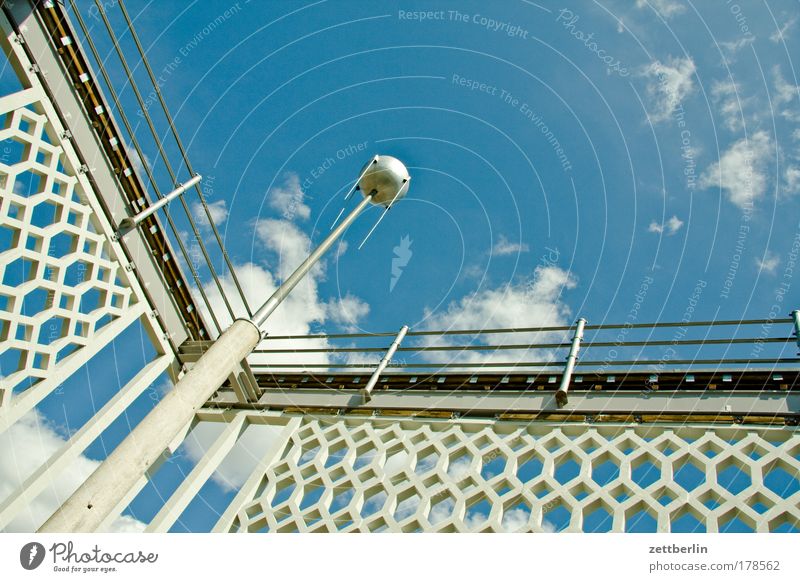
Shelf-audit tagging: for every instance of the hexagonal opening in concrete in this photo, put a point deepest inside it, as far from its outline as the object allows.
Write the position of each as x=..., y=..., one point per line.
x=458, y=464
x=341, y=498
x=529, y=468
x=336, y=453
x=645, y=471
x=19, y=271
x=442, y=506
x=477, y=512
x=283, y=490
x=640, y=519
x=309, y=453
x=686, y=520
x=516, y=516
x=687, y=474
x=62, y=244
x=785, y=523
x=735, y=477
x=597, y=518
x=780, y=481
x=365, y=454
x=30, y=183
x=407, y=505
x=492, y=465
x=556, y=516
x=311, y=494
x=567, y=468
x=605, y=469
x=426, y=461
x=374, y=500
x=735, y=521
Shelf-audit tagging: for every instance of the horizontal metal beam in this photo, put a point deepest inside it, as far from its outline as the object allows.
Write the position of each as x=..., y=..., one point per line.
x=499, y=402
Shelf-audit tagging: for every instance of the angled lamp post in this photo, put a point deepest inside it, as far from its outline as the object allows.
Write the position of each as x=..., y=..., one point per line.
x=382, y=181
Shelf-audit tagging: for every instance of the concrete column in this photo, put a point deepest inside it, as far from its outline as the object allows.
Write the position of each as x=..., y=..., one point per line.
x=86, y=509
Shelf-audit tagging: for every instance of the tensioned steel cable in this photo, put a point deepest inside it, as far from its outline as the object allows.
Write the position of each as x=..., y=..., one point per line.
x=184, y=154
x=530, y=329
x=483, y=348
x=145, y=166
x=370, y=365
x=163, y=155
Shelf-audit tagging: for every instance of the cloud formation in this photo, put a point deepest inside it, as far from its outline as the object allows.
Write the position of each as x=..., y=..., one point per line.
x=669, y=84
x=671, y=226
x=505, y=247
x=741, y=170
x=28, y=444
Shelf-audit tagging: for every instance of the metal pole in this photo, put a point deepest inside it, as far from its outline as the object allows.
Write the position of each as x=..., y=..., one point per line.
x=373, y=380
x=796, y=317
x=260, y=316
x=94, y=501
x=561, y=393
x=133, y=221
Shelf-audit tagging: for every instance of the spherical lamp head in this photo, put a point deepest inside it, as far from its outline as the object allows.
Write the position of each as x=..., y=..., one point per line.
x=386, y=178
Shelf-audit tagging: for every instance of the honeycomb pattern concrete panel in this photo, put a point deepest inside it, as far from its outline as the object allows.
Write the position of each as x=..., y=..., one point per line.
x=60, y=282
x=472, y=476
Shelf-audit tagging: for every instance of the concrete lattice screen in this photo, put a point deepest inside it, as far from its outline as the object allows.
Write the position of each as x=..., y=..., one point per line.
x=414, y=475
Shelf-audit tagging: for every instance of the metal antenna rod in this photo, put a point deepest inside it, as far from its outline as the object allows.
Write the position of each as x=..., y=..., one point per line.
x=561, y=394
x=355, y=186
x=388, y=208
x=367, y=390
x=260, y=316
x=133, y=221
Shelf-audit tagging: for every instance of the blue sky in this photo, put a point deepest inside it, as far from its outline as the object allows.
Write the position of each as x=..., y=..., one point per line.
x=686, y=87
x=564, y=157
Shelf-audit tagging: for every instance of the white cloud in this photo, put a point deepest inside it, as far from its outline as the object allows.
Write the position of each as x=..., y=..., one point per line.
x=347, y=310
x=217, y=210
x=671, y=226
x=28, y=444
x=532, y=303
x=288, y=242
x=780, y=34
x=244, y=456
x=136, y=160
x=666, y=8
x=669, y=85
x=407, y=507
x=288, y=199
x=506, y=247
x=730, y=104
x=730, y=49
x=768, y=263
x=791, y=180
x=785, y=94
x=515, y=520
x=741, y=170
x=459, y=469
